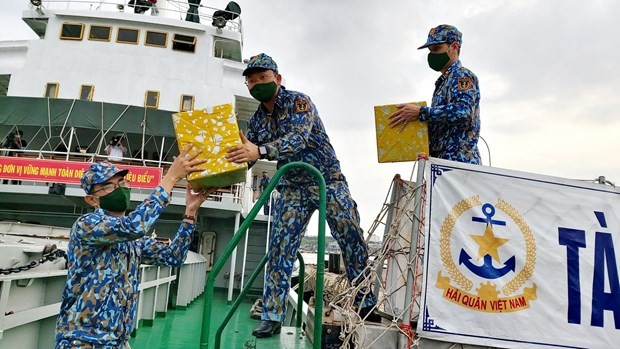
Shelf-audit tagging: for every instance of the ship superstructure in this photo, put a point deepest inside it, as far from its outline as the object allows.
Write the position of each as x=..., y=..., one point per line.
x=98, y=71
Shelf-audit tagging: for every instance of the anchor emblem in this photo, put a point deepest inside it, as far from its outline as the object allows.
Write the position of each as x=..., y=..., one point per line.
x=488, y=245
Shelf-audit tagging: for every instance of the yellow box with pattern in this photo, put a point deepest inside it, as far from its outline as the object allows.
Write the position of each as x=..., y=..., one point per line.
x=399, y=144
x=213, y=131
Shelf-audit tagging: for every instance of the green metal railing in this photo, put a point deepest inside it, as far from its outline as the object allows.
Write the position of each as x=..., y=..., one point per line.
x=221, y=261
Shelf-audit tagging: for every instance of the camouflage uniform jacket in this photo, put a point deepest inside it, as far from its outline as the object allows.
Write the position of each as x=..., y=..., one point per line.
x=104, y=256
x=264, y=182
x=294, y=132
x=454, y=116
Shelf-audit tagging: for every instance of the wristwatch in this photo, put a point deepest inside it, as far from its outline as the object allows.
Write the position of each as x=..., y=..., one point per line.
x=262, y=152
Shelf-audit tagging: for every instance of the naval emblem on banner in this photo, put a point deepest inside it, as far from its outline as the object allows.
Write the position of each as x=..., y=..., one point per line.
x=478, y=279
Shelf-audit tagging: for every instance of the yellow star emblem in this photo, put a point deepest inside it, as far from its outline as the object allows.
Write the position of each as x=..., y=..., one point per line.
x=488, y=243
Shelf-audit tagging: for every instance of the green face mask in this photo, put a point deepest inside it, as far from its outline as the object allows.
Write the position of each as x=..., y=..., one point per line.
x=116, y=201
x=438, y=60
x=264, y=92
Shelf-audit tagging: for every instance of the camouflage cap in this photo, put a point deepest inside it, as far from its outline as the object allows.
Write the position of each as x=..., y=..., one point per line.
x=443, y=33
x=259, y=62
x=99, y=172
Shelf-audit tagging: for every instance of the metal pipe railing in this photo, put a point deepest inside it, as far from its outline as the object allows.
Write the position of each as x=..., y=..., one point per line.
x=219, y=265
x=218, y=334
x=235, y=305
x=408, y=306
x=174, y=9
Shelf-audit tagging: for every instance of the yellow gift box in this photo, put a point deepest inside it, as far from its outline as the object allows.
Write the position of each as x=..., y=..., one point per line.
x=399, y=144
x=213, y=133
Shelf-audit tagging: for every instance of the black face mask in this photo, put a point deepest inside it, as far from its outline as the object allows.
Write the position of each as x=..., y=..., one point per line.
x=438, y=60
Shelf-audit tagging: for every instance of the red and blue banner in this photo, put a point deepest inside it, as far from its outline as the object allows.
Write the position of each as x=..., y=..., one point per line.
x=69, y=172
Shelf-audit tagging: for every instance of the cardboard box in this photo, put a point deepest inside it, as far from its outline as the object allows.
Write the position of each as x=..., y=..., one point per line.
x=399, y=144
x=213, y=132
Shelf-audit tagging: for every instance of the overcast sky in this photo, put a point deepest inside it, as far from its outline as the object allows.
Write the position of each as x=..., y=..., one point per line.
x=547, y=72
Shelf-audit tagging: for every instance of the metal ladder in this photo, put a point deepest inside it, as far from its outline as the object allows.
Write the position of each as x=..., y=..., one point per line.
x=239, y=234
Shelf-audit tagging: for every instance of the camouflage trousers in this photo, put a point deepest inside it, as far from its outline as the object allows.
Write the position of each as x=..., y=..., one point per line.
x=291, y=213
x=77, y=344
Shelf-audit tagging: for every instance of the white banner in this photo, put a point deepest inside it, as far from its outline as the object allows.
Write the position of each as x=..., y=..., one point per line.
x=519, y=260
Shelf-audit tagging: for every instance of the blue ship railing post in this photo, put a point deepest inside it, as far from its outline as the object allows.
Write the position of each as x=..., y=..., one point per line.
x=210, y=284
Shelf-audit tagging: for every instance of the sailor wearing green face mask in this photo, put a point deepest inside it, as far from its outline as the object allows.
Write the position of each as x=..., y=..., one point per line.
x=286, y=127
x=454, y=115
x=106, y=248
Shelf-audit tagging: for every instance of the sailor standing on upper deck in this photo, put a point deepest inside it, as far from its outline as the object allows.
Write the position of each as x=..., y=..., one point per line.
x=454, y=116
x=286, y=127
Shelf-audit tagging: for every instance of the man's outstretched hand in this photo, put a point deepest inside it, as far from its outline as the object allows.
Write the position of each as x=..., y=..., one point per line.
x=245, y=152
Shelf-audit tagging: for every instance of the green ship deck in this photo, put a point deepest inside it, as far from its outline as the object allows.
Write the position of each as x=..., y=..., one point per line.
x=180, y=329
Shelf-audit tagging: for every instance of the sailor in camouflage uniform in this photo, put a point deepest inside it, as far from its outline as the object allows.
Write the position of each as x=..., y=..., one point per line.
x=287, y=128
x=454, y=115
x=106, y=248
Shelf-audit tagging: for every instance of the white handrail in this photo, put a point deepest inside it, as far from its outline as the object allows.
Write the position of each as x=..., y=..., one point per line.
x=177, y=10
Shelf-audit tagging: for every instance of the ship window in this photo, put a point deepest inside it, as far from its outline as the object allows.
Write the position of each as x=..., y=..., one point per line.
x=86, y=92
x=187, y=102
x=128, y=36
x=227, y=49
x=5, y=79
x=151, y=99
x=99, y=33
x=51, y=90
x=184, y=43
x=156, y=39
x=72, y=31
x=243, y=124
